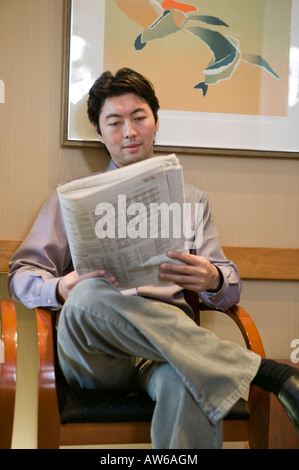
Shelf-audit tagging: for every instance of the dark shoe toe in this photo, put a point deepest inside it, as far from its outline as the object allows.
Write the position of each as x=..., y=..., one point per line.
x=289, y=398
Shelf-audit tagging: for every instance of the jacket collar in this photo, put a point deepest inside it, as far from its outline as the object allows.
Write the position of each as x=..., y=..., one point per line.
x=111, y=166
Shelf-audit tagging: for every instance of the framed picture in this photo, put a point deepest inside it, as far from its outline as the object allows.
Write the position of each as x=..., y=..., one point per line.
x=227, y=78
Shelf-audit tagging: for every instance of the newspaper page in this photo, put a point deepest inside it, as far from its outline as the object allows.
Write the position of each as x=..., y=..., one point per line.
x=124, y=221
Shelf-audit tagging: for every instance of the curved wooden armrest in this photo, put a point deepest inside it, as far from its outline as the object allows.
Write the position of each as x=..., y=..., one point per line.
x=238, y=314
x=8, y=371
x=248, y=329
x=258, y=400
x=48, y=411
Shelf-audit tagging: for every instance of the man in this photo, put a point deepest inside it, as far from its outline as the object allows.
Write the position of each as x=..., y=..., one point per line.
x=116, y=340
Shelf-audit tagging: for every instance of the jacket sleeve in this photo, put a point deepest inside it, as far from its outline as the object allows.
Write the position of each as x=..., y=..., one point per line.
x=43, y=257
x=206, y=243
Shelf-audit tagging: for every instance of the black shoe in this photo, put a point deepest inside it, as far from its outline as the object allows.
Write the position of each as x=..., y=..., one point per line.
x=289, y=397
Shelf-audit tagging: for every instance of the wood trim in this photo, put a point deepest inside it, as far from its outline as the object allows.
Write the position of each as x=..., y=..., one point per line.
x=128, y=433
x=7, y=249
x=252, y=262
x=105, y=433
x=265, y=263
x=235, y=431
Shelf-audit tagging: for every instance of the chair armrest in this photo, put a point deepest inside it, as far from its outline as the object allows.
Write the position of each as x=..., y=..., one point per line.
x=242, y=319
x=8, y=371
x=48, y=411
x=237, y=313
x=248, y=329
x=258, y=400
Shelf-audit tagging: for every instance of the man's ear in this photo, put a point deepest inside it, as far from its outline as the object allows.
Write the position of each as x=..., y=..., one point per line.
x=157, y=125
x=98, y=134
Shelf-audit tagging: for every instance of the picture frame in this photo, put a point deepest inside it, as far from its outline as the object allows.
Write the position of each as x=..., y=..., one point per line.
x=272, y=131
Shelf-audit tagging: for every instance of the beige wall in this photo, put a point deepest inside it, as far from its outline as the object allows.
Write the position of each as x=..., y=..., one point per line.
x=254, y=200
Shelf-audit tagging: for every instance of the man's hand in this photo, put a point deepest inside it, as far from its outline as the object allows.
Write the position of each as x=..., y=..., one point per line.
x=68, y=282
x=196, y=273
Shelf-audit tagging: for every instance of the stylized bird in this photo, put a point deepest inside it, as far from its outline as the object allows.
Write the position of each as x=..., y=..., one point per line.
x=162, y=19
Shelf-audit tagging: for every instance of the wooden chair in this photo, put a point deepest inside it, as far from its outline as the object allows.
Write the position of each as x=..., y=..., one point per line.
x=8, y=367
x=69, y=416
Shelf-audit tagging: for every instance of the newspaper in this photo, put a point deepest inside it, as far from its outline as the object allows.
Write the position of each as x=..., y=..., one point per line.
x=115, y=220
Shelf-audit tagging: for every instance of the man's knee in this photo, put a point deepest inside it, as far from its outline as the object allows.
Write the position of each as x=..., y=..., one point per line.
x=89, y=291
x=166, y=380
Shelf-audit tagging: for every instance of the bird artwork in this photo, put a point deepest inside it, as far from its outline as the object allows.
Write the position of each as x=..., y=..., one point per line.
x=161, y=19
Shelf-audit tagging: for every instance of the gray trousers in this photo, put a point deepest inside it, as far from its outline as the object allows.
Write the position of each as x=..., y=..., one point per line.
x=107, y=340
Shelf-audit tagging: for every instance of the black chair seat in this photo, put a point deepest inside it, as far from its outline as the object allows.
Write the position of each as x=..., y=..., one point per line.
x=94, y=406
x=239, y=411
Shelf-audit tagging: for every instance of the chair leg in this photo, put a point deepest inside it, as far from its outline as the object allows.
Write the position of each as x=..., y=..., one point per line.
x=48, y=412
x=8, y=371
x=259, y=421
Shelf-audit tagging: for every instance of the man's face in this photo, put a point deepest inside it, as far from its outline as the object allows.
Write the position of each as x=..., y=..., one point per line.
x=128, y=129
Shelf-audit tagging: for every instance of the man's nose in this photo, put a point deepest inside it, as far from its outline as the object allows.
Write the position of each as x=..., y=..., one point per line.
x=129, y=129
